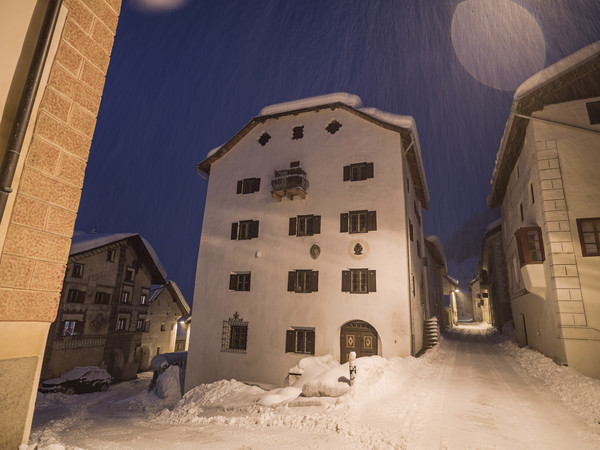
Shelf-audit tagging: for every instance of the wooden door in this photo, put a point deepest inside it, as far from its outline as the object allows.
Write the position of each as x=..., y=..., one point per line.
x=357, y=336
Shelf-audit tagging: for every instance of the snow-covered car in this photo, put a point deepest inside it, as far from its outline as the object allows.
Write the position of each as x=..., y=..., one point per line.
x=78, y=380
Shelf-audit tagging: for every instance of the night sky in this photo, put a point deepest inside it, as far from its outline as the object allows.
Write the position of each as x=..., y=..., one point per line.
x=183, y=79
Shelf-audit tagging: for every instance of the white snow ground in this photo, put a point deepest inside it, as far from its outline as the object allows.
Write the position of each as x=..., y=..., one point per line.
x=476, y=389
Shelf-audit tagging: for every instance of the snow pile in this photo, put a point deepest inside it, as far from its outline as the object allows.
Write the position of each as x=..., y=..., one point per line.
x=578, y=392
x=167, y=385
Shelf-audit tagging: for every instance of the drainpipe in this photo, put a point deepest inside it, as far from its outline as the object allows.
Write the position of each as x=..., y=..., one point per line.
x=19, y=128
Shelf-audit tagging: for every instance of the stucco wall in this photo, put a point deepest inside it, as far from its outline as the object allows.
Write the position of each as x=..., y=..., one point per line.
x=269, y=308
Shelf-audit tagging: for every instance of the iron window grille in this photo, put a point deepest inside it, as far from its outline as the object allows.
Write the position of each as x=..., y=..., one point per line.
x=300, y=340
x=359, y=281
x=234, y=338
x=239, y=281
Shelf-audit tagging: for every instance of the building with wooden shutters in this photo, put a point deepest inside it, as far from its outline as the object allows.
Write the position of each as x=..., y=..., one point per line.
x=312, y=242
x=546, y=183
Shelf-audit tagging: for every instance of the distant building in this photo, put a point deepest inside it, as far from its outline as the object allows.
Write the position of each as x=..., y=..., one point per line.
x=54, y=60
x=547, y=185
x=312, y=241
x=108, y=313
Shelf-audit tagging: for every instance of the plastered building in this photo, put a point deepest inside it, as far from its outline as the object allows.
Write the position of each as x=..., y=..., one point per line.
x=546, y=183
x=54, y=60
x=312, y=241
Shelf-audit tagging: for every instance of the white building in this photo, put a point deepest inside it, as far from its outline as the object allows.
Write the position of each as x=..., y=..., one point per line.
x=546, y=182
x=312, y=241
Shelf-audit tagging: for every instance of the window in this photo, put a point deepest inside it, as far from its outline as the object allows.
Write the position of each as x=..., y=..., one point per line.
x=358, y=281
x=410, y=230
x=125, y=297
x=264, y=138
x=300, y=340
x=239, y=281
x=419, y=248
x=333, y=127
x=530, y=245
x=248, y=186
x=589, y=236
x=144, y=297
x=122, y=324
x=77, y=270
x=76, y=296
x=358, y=221
x=235, y=335
x=71, y=328
x=162, y=327
x=140, y=325
x=593, y=109
x=303, y=281
x=110, y=255
x=102, y=298
x=298, y=132
x=245, y=229
x=305, y=225
x=521, y=211
x=532, y=195
x=130, y=274
x=359, y=171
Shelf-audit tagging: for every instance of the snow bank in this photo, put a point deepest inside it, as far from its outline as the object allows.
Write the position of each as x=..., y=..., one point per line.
x=167, y=385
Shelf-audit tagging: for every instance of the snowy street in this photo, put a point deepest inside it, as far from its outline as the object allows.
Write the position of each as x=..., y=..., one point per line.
x=475, y=390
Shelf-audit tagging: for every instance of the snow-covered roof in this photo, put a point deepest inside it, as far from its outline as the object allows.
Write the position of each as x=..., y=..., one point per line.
x=83, y=242
x=176, y=295
x=338, y=97
x=572, y=78
x=352, y=103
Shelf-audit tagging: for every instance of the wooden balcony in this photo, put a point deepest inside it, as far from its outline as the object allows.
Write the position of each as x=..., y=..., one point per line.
x=289, y=183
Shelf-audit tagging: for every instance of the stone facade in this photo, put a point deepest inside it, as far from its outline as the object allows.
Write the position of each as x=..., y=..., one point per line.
x=38, y=221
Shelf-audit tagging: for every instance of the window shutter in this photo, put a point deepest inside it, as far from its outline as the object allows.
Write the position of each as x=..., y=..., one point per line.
x=239, y=187
x=371, y=282
x=292, y=226
x=346, y=173
x=291, y=281
x=370, y=172
x=78, y=327
x=254, y=229
x=344, y=223
x=372, y=220
x=234, y=230
x=255, y=184
x=310, y=342
x=317, y=225
x=314, y=281
x=233, y=282
x=290, y=341
x=346, y=281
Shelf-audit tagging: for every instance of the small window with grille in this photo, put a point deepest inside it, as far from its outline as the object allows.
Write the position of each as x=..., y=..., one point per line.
x=234, y=338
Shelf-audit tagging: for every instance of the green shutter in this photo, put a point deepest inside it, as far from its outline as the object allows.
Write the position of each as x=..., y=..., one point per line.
x=371, y=281
x=310, y=342
x=346, y=281
x=343, y=222
x=292, y=226
x=233, y=282
x=346, y=173
x=254, y=229
x=370, y=171
x=317, y=225
x=255, y=184
x=371, y=220
x=234, y=230
x=290, y=341
x=239, y=187
x=291, y=281
x=314, y=280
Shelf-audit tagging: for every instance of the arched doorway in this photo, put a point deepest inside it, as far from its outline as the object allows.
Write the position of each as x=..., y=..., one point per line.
x=357, y=336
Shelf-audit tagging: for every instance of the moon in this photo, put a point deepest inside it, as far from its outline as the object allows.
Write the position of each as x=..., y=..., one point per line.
x=498, y=42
